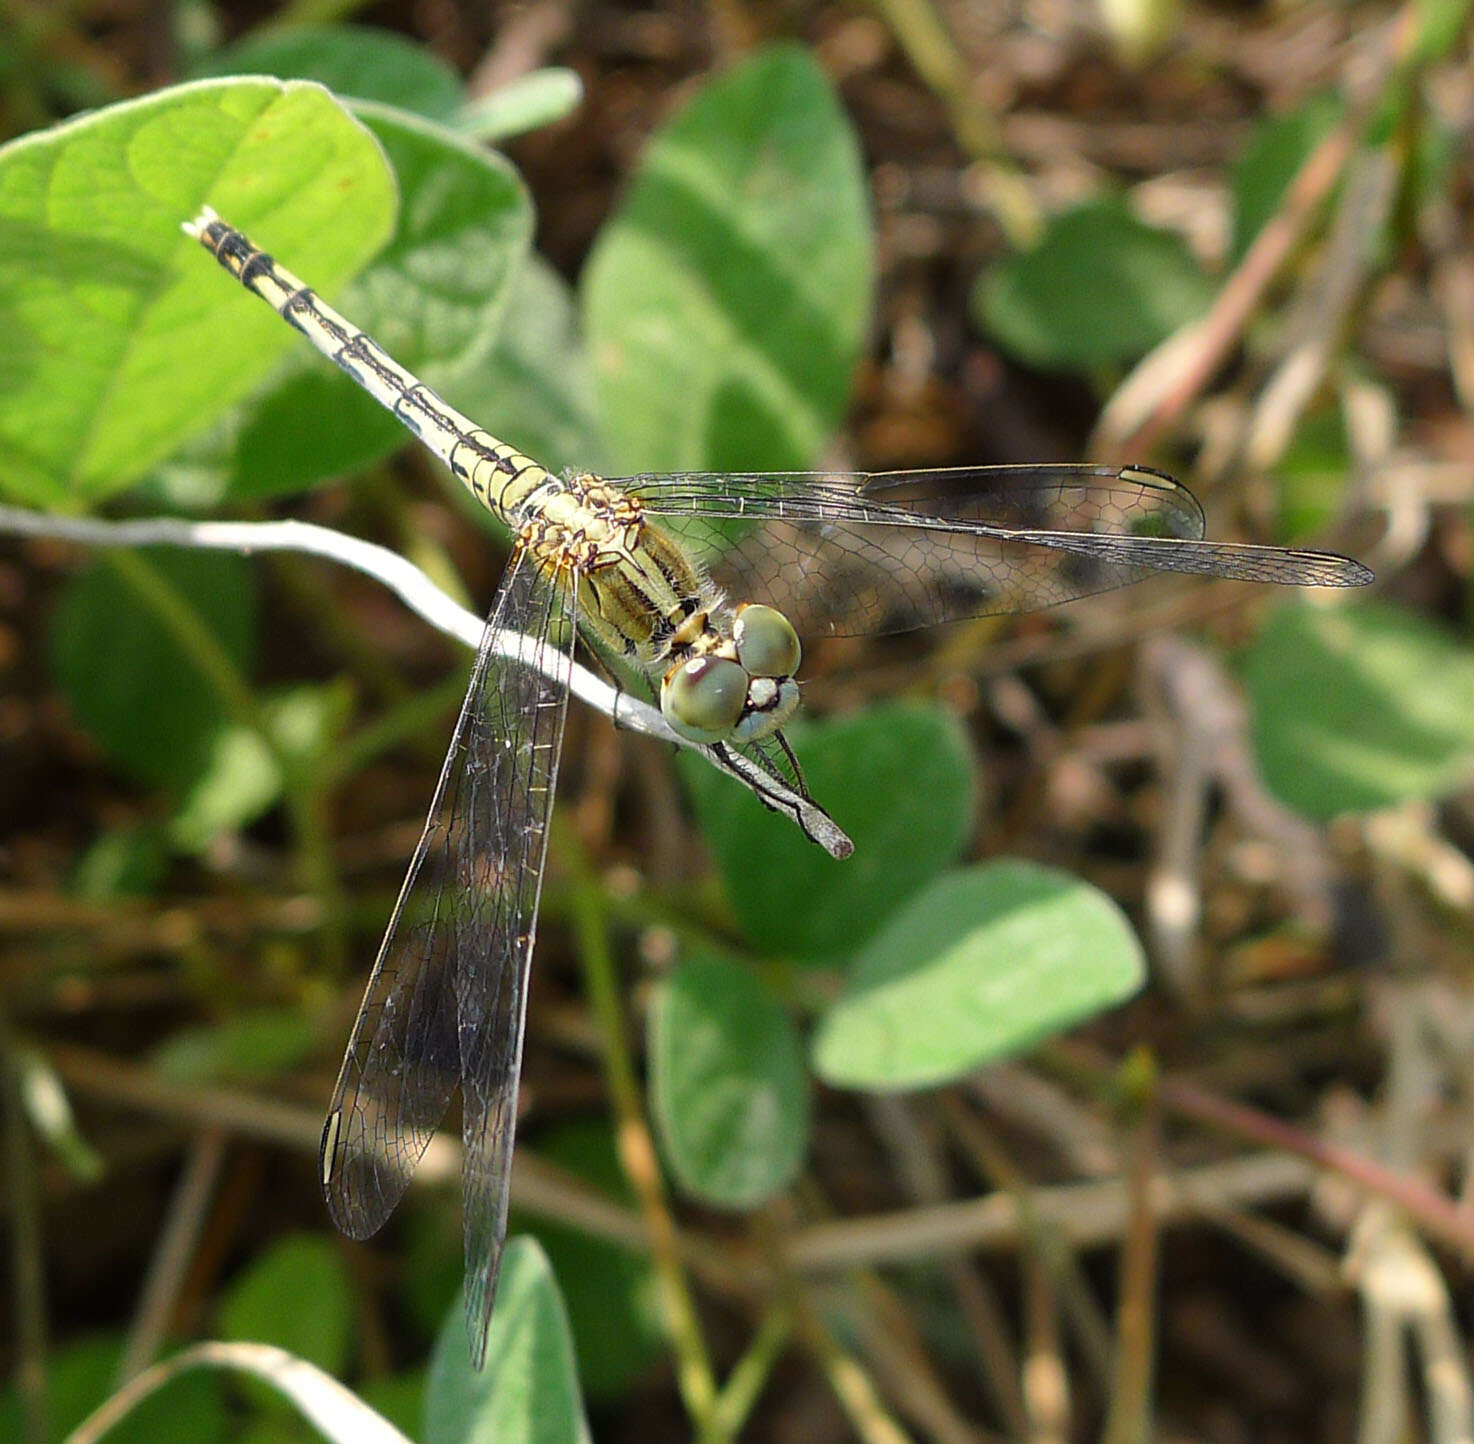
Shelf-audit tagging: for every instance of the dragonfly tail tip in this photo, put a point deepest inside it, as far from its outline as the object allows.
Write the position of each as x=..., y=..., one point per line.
x=196, y=227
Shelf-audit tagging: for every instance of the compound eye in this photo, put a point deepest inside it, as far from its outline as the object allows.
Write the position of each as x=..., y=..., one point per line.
x=703, y=698
x=767, y=645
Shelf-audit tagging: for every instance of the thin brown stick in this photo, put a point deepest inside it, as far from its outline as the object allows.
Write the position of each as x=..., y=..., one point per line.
x=1133, y=422
x=176, y=1244
x=1130, y=1420
x=1434, y=1212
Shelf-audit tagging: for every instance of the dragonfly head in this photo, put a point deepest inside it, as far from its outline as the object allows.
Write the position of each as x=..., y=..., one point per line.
x=739, y=689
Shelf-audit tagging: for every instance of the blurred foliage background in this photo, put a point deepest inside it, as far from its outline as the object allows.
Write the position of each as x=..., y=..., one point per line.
x=812, y=1150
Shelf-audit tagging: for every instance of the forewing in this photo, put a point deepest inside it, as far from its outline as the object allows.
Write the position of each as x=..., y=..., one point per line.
x=844, y=553
x=513, y=743
x=403, y=1059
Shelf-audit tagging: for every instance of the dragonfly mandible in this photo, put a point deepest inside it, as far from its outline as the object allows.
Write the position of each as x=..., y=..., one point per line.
x=617, y=564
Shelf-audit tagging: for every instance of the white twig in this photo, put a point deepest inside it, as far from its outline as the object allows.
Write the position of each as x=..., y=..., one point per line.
x=334, y=1410
x=421, y=595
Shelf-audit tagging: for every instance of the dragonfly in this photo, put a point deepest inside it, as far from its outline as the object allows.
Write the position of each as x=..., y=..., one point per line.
x=679, y=576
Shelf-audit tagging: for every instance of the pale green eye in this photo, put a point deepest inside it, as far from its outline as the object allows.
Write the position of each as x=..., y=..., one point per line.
x=767, y=645
x=703, y=698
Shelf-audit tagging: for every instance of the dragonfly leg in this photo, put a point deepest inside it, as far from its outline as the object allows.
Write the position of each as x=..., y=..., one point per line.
x=798, y=772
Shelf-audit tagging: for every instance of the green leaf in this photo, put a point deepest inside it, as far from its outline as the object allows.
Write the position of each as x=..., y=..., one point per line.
x=730, y=1097
x=242, y=776
x=1313, y=473
x=433, y=298
x=81, y=1374
x=1359, y=706
x=527, y=1392
x=527, y=103
x=238, y=781
x=122, y=862
x=245, y=1047
x=48, y=1110
x=899, y=778
x=115, y=333
x=1276, y=151
x=129, y=678
x=984, y=963
x=399, y=1398
x=296, y=1295
x=353, y=60
x=537, y=381
x=1100, y=289
x=727, y=299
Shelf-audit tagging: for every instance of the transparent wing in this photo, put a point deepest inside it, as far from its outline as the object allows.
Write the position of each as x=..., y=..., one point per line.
x=446, y=999
x=515, y=743
x=849, y=553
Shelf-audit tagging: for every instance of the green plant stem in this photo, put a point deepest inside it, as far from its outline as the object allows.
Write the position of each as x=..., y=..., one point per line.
x=637, y=1154
x=851, y=1384
x=302, y=796
x=745, y=1383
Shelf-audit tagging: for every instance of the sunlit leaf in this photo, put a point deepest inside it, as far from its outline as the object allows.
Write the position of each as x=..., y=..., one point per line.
x=113, y=348
x=983, y=963
x=434, y=298
x=727, y=298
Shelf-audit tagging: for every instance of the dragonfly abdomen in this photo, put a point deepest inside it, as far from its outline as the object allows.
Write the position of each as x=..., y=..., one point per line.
x=497, y=474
